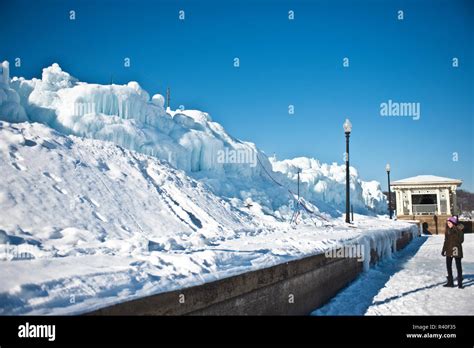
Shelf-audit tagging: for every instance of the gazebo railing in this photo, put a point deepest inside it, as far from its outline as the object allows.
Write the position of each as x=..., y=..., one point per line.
x=425, y=209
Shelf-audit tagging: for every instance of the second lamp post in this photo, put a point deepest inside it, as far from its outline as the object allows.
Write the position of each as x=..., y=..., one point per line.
x=387, y=168
x=347, y=130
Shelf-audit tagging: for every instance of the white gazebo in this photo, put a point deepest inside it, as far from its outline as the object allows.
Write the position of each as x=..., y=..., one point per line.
x=427, y=198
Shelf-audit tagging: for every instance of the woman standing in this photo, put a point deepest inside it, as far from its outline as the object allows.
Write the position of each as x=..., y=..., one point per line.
x=452, y=248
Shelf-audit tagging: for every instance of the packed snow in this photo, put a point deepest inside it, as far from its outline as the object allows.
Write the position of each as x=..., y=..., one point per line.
x=105, y=197
x=409, y=283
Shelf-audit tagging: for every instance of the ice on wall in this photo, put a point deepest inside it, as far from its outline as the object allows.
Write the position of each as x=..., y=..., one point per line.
x=188, y=139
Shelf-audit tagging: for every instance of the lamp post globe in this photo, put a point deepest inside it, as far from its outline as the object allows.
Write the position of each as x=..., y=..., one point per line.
x=347, y=126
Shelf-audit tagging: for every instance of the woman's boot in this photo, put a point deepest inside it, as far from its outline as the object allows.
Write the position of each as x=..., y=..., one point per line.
x=460, y=283
x=450, y=283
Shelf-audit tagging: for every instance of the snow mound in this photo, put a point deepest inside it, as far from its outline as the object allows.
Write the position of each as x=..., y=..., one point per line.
x=75, y=191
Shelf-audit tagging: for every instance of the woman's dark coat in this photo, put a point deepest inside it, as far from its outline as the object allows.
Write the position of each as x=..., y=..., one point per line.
x=453, y=239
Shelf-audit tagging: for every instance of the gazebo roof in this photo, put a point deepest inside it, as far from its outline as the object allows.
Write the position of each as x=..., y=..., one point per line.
x=427, y=180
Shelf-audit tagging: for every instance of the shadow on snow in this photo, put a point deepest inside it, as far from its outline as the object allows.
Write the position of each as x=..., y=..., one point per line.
x=358, y=295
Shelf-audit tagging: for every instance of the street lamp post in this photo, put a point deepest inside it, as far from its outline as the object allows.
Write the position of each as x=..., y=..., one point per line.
x=387, y=168
x=347, y=130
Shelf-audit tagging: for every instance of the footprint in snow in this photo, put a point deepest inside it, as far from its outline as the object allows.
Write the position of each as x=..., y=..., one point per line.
x=30, y=143
x=14, y=155
x=52, y=176
x=91, y=201
x=60, y=190
x=99, y=216
x=48, y=145
x=15, y=158
x=18, y=166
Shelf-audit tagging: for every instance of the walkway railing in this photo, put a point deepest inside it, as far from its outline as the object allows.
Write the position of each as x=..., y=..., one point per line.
x=425, y=209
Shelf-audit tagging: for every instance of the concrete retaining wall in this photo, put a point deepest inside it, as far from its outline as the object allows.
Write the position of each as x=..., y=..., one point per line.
x=294, y=288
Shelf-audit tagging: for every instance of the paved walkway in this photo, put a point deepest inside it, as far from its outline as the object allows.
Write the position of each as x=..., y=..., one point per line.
x=409, y=284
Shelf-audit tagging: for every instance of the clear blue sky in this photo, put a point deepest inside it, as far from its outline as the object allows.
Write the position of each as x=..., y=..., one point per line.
x=283, y=62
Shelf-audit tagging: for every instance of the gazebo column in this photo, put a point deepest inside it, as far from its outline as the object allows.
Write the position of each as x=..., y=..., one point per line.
x=399, y=203
x=455, y=200
x=448, y=202
x=438, y=201
x=410, y=204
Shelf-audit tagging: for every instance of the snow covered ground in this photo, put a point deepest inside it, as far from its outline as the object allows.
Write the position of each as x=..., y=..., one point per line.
x=105, y=197
x=410, y=283
x=86, y=223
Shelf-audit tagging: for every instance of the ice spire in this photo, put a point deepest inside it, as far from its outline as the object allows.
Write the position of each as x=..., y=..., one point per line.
x=5, y=70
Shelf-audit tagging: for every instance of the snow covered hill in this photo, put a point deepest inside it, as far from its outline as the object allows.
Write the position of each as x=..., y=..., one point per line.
x=51, y=182
x=188, y=140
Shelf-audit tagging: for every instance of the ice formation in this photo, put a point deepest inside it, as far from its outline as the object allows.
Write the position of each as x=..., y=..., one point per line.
x=188, y=139
x=321, y=182
x=10, y=108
